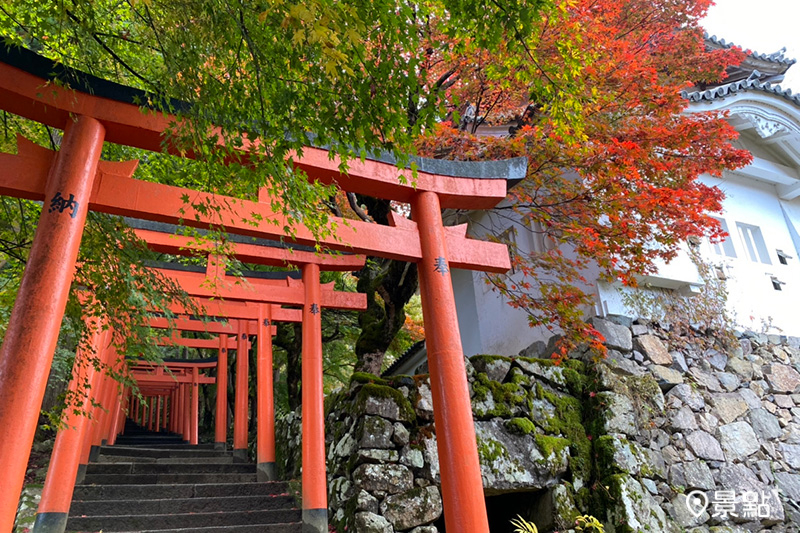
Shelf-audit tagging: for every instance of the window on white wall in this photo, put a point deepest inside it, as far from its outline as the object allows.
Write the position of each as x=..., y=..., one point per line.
x=753, y=243
x=726, y=246
x=509, y=238
x=541, y=242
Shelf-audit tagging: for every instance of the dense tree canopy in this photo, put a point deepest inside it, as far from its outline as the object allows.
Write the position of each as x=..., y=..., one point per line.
x=595, y=104
x=589, y=91
x=341, y=74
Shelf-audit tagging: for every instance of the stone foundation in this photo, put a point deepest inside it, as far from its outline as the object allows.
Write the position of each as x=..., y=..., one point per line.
x=625, y=439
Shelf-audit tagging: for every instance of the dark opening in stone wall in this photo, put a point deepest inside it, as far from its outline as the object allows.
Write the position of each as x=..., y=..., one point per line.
x=503, y=508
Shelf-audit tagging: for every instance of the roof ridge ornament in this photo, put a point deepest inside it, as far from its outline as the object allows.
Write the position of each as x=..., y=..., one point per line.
x=764, y=127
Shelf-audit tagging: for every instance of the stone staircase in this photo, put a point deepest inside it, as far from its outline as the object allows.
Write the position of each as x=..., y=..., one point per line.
x=150, y=482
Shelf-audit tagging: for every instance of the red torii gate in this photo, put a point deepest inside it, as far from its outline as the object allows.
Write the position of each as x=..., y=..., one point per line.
x=193, y=283
x=180, y=376
x=76, y=180
x=242, y=289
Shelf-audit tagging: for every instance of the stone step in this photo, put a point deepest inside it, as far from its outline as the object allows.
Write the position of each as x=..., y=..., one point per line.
x=163, y=437
x=181, y=520
x=181, y=505
x=179, y=491
x=157, y=479
x=294, y=527
x=225, y=459
x=169, y=468
x=148, y=451
x=154, y=442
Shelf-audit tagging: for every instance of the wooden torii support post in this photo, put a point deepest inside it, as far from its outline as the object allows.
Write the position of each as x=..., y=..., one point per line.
x=63, y=470
x=68, y=185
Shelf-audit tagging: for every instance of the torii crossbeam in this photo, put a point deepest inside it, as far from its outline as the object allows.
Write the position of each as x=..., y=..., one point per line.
x=76, y=181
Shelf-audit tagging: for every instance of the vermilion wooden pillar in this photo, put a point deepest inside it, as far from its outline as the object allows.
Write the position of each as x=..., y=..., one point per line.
x=173, y=411
x=136, y=409
x=116, y=417
x=164, y=411
x=99, y=391
x=53, y=511
x=100, y=430
x=152, y=408
x=157, y=403
x=195, y=410
x=314, y=480
x=462, y=486
x=241, y=395
x=121, y=415
x=111, y=407
x=187, y=411
x=221, y=414
x=180, y=412
x=30, y=341
x=125, y=410
x=265, y=440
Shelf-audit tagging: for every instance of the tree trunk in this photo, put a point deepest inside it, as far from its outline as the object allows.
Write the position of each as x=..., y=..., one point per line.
x=389, y=285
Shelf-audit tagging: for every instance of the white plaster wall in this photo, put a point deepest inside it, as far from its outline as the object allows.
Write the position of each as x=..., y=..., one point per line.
x=751, y=297
x=488, y=325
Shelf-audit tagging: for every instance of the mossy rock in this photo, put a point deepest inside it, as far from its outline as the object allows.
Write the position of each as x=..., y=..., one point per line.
x=520, y=426
x=382, y=400
x=334, y=400
x=366, y=377
x=496, y=367
x=550, y=446
x=490, y=451
x=569, y=376
x=626, y=504
x=492, y=399
x=568, y=422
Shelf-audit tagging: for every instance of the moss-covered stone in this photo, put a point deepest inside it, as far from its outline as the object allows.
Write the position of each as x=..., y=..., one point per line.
x=550, y=446
x=604, y=455
x=372, y=391
x=493, y=399
x=366, y=377
x=518, y=377
x=568, y=376
x=565, y=509
x=481, y=361
x=568, y=421
x=490, y=450
x=520, y=426
x=334, y=400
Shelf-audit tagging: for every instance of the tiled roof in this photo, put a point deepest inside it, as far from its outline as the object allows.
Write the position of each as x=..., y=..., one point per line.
x=411, y=352
x=751, y=84
x=775, y=57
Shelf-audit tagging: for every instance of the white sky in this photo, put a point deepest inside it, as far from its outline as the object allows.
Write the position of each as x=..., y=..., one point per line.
x=763, y=26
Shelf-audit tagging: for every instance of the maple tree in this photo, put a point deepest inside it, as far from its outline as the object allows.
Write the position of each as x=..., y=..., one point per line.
x=592, y=97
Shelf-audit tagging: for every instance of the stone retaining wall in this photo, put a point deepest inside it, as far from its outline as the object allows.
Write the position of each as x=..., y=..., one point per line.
x=625, y=439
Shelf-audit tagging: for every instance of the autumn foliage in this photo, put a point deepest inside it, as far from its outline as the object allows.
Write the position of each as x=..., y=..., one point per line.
x=592, y=97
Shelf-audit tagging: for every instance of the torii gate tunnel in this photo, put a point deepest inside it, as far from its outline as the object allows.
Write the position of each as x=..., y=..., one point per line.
x=75, y=180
